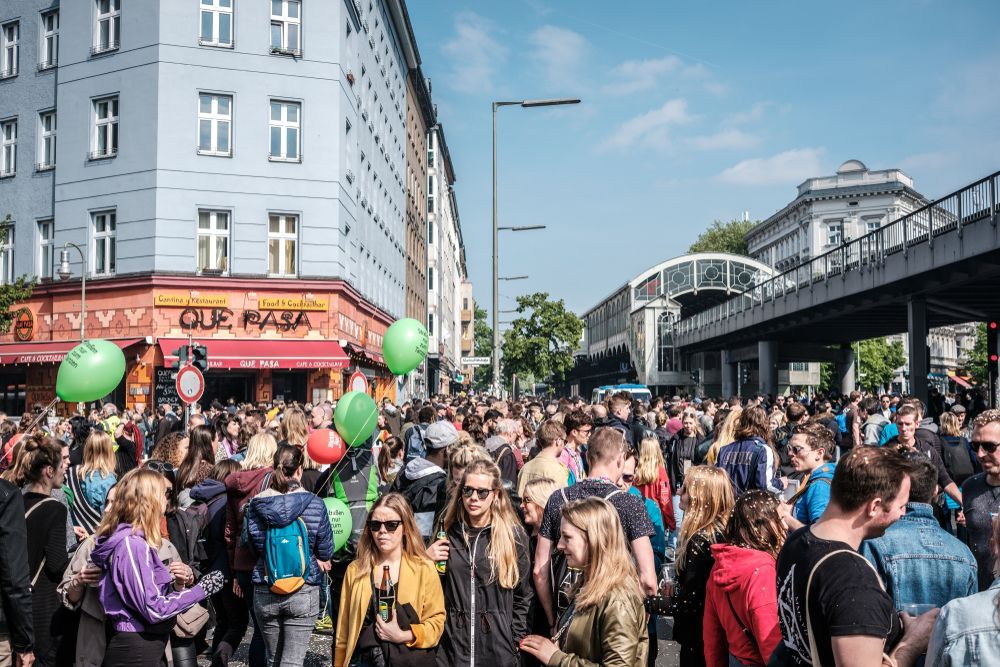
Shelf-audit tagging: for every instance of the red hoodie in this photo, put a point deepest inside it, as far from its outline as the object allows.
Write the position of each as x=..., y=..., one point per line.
x=748, y=576
x=659, y=492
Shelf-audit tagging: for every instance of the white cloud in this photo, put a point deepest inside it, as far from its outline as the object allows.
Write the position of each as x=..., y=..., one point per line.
x=559, y=53
x=650, y=128
x=727, y=139
x=930, y=160
x=633, y=76
x=753, y=114
x=475, y=55
x=793, y=166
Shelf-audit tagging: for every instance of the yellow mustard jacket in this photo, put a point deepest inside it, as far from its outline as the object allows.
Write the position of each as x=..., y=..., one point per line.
x=419, y=585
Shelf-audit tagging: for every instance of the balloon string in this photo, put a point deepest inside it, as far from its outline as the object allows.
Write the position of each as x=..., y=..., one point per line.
x=42, y=414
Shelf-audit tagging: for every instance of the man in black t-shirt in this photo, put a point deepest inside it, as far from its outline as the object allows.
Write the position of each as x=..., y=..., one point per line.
x=852, y=618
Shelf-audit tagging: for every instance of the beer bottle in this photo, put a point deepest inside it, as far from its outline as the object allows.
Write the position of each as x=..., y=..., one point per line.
x=386, y=595
x=442, y=565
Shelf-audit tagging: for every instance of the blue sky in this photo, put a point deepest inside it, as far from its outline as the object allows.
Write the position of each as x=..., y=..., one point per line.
x=692, y=111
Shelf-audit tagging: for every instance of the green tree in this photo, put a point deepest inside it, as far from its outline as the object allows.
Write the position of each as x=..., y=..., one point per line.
x=724, y=237
x=483, y=347
x=826, y=372
x=878, y=360
x=976, y=365
x=14, y=293
x=541, y=341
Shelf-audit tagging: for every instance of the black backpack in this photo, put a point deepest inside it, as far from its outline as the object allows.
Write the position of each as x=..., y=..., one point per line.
x=958, y=458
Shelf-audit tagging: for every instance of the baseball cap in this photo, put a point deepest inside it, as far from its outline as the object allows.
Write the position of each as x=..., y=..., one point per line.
x=440, y=434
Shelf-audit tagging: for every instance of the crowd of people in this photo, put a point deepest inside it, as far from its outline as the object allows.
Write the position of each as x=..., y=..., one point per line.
x=775, y=530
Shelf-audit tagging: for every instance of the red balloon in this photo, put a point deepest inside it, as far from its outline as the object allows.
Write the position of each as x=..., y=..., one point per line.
x=325, y=446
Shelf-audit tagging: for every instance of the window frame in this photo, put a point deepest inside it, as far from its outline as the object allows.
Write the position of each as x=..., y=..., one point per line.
x=8, y=148
x=108, y=126
x=10, y=50
x=283, y=125
x=217, y=11
x=47, y=162
x=215, y=119
x=49, y=44
x=7, y=254
x=213, y=233
x=282, y=236
x=46, y=247
x=108, y=238
x=284, y=21
x=114, y=19
x=834, y=232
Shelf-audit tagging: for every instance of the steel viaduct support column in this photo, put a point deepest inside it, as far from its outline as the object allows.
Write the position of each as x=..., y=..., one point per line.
x=767, y=373
x=845, y=370
x=916, y=316
x=729, y=372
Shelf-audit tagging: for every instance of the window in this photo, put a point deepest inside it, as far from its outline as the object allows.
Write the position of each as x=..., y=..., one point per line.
x=216, y=23
x=50, y=40
x=872, y=225
x=46, y=140
x=107, y=26
x=46, y=239
x=6, y=254
x=430, y=277
x=8, y=148
x=105, y=224
x=834, y=232
x=215, y=115
x=213, y=241
x=430, y=194
x=286, y=22
x=430, y=231
x=665, y=347
x=281, y=240
x=105, y=128
x=10, y=36
x=284, y=126
x=430, y=323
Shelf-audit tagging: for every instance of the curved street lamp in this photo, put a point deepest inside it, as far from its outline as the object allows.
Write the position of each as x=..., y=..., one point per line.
x=65, y=273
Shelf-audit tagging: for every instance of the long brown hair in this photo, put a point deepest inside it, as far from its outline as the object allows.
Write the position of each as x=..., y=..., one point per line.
x=295, y=427
x=710, y=500
x=755, y=523
x=137, y=503
x=38, y=452
x=413, y=543
x=287, y=460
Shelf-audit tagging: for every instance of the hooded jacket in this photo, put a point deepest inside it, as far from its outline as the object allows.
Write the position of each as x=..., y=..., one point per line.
x=425, y=487
x=750, y=464
x=871, y=430
x=135, y=588
x=210, y=499
x=747, y=577
x=241, y=487
x=272, y=509
x=815, y=497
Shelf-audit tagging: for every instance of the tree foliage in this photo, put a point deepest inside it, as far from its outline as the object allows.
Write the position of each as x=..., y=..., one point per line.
x=878, y=360
x=541, y=340
x=977, y=363
x=13, y=293
x=724, y=237
x=483, y=346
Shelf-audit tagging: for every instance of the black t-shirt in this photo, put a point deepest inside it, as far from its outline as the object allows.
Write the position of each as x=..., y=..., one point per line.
x=631, y=510
x=846, y=598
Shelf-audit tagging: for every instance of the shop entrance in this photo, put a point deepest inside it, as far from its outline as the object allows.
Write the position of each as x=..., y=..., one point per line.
x=289, y=386
x=222, y=385
x=13, y=390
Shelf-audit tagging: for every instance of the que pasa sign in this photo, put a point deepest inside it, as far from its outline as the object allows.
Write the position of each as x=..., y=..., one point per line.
x=211, y=319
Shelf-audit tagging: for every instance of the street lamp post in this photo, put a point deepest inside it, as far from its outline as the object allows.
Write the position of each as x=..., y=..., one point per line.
x=65, y=273
x=496, y=229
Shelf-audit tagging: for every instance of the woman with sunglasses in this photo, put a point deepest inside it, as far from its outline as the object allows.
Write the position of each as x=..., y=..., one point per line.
x=606, y=623
x=287, y=619
x=416, y=621
x=811, y=449
x=487, y=585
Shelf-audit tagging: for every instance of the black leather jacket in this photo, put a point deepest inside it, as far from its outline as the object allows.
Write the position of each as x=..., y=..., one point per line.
x=15, y=588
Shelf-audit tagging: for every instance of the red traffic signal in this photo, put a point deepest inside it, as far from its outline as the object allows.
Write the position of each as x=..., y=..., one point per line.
x=993, y=325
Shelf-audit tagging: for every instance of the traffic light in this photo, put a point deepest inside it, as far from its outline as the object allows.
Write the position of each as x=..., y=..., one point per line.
x=182, y=357
x=199, y=357
x=993, y=358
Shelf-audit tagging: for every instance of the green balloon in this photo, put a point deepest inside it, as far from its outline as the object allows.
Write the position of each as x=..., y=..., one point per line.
x=404, y=345
x=355, y=418
x=340, y=521
x=90, y=371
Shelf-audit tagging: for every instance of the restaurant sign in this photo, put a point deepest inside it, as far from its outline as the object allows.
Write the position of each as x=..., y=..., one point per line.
x=292, y=303
x=187, y=300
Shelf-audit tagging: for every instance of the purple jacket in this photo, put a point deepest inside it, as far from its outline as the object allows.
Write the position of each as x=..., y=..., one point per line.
x=135, y=587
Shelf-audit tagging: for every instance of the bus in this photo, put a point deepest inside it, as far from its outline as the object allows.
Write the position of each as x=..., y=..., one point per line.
x=639, y=391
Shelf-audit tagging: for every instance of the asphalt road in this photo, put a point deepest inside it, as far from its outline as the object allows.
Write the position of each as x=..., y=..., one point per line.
x=320, y=652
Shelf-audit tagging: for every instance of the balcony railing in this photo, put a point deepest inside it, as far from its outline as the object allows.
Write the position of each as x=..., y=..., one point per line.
x=971, y=205
x=98, y=49
x=103, y=155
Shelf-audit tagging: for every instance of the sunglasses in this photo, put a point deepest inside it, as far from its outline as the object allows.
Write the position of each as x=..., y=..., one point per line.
x=390, y=526
x=798, y=449
x=467, y=491
x=987, y=446
x=627, y=478
x=159, y=466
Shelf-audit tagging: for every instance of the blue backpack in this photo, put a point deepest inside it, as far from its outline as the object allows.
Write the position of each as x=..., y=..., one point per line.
x=842, y=421
x=286, y=557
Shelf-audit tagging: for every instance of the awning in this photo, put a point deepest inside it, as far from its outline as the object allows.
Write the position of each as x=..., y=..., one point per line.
x=960, y=381
x=364, y=354
x=51, y=352
x=253, y=354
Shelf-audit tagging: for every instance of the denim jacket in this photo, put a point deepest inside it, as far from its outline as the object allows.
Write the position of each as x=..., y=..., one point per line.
x=920, y=562
x=966, y=632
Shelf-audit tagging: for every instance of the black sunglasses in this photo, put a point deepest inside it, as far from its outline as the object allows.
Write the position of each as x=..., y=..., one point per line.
x=627, y=478
x=390, y=526
x=159, y=466
x=467, y=491
x=988, y=447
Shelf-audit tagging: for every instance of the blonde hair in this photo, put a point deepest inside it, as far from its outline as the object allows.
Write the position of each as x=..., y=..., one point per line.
x=461, y=457
x=98, y=454
x=710, y=500
x=950, y=424
x=609, y=572
x=539, y=489
x=138, y=503
x=260, y=451
x=649, y=463
x=727, y=434
x=413, y=543
x=505, y=525
x=295, y=427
